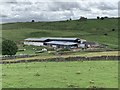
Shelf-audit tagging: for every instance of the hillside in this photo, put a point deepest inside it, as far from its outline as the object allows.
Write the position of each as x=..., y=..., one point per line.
x=92, y=30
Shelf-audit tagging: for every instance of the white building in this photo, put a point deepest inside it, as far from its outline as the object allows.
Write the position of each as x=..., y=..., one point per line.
x=35, y=41
x=56, y=42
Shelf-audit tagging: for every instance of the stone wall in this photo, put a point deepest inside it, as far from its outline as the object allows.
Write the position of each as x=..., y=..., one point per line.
x=61, y=59
x=6, y=57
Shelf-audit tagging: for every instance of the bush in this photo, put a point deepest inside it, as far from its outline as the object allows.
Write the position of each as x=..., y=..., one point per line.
x=9, y=47
x=98, y=17
x=83, y=18
x=102, y=18
x=105, y=34
x=67, y=20
x=105, y=17
x=65, y=49
x=33, y=21
x=113, y=29
x=37, y=74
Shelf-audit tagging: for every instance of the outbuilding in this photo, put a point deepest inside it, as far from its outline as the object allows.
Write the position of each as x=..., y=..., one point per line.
x=61, y=44
x=56, y=42
x=35, y=41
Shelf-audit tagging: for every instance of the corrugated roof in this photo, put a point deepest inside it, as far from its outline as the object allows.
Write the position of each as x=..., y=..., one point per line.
x=51, y=38
x=36, y=39
x=60, y=38
x=61, y=43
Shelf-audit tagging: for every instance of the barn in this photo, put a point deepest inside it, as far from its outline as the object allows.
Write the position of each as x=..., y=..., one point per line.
x=59, y=42
x=53, y=42
x=35, y=41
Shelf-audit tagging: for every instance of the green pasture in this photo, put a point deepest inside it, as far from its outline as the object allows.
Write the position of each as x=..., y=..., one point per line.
x=86, y=74
x=82, y=74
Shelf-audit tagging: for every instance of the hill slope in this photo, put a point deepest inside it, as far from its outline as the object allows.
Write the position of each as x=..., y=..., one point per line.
x=91, y=30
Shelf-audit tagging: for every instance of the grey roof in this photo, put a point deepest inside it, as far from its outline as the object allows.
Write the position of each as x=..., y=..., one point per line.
x=51, y=38
x=60, y=38
x=61, y=43
x=36, y=39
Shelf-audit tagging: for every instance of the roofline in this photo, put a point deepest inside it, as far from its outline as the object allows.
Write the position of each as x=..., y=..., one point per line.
x=50, y=38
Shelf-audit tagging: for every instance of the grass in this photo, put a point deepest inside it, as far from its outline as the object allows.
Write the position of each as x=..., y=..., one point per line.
x=61, y=74
x=82, y=54
x=32, y=49
x=91, y=30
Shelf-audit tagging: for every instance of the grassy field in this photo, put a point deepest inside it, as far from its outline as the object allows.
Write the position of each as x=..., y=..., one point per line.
x=61, y=75
x=91, y=30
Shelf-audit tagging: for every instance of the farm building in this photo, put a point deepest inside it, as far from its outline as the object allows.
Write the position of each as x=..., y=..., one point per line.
x=59, y=42
x=53, y=42
x=90, y=44
x=35, y=41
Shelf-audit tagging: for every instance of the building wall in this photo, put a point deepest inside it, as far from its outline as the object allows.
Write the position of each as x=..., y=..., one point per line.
x=81, y=45
x=34, y=43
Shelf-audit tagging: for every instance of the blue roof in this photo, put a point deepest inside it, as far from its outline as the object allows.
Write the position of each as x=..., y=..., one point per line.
x=61, y=43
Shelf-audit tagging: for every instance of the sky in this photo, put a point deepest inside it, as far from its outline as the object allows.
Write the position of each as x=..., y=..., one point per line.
x=55, y=10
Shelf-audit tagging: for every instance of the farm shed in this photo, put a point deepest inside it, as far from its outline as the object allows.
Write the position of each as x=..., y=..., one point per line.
x=55, y=42
x=35, y=41
x=61, y=44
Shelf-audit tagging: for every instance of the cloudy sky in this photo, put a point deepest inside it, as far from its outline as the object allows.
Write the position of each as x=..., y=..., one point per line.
x=53, y=10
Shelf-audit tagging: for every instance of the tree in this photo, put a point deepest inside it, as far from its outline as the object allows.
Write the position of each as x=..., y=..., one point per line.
x=102, y=18
x=113, y=29
x=98, y=17
x=9, y=47
x=83, y=18
x=105, y=17
x=105, y=34
x=33, y=20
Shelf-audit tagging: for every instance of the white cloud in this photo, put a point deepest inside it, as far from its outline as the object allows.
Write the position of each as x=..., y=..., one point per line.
x=49, y=10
